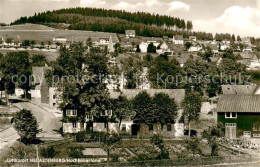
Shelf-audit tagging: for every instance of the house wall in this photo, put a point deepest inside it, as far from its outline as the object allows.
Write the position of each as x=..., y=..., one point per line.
x=19, y=92
x=244, y=122
x=68, y=128
x=144, y=130
x=113, y=127
x=100, y=127
x=53, y=102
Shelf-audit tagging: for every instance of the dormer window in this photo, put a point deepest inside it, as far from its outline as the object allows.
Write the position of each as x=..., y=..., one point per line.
x=71, y=112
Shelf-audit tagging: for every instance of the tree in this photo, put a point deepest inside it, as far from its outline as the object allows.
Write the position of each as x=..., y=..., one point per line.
x=151, y=48
x=39, y=60
x=109, y=142
x=48, y=152
x=165, y=109
x=143, y=108
x=212, y=134
x=232, y=72
x=187, y=45
x=89, y=42
x=239, y=38
x=189, y=25
x=168, y=71
x=233, y=38
x=157, y=141
x=122, y=108
x=138, y=50
x=132, y=70
x=193, y=145
x=192, y=105
x=15, y=67
x=26, y=126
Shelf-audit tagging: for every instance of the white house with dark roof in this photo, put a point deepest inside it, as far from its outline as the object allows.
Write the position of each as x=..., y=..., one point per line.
x=130, y=33
x=178, y=40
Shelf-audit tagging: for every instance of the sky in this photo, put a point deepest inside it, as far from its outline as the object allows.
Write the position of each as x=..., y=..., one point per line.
x=241, y=17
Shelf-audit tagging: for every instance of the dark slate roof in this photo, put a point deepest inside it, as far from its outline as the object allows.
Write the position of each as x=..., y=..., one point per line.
x=177, y=94
x=38, y=73
x=238, y=89
x=238, y=103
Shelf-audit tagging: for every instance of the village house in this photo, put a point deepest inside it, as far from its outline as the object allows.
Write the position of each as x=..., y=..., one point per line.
x=192, y=38
x=240, y=114
x=177, y=40
x=238, y=89
x=60, y=40
x=246, y=41
x=250, y=60
x=215, y=59
x=38, y=77
x=127, y=126
x=195, y=48
x=143, y=47
x=214, y=47
x=164, y=48
x=130, y=33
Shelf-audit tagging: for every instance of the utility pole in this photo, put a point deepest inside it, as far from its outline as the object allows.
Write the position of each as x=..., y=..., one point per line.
x=37, y=156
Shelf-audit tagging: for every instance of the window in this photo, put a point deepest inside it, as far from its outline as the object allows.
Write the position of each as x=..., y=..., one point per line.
x=161, y=126
x=54, y=104
x=71, y=112
x=151, y=127
x=230, y=115
x=89, y=117
x=54, y=96
x=74, y=112
x=169, y=127
x=124, y=127
x=74, y=124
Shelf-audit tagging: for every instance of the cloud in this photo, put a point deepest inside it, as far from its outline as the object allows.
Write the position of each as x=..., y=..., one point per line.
x=177, y=5
x=244, y=21
x=92, y=3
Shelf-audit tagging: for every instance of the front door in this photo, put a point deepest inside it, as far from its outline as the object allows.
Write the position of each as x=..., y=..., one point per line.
x=231, y=130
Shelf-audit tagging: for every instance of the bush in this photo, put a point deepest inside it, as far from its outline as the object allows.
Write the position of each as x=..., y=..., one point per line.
x=2, y=103
x=76, y=152
x=48, y=152
x=80, y=136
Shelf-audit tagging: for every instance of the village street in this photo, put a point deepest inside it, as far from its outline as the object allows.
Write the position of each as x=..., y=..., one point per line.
x=47, y=122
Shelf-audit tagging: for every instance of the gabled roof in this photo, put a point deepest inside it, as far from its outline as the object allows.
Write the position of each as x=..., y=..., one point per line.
x=238, y=89
x=177, y=94
x=38, y=73
x=214, y=59
x=130, y=32
x=213, y=46
x=238, y=103
x=178, y=37
x=248, y=56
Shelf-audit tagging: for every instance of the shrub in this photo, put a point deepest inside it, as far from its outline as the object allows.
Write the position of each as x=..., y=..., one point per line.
x=48, y=152
x=80, y=136
x=76, y=152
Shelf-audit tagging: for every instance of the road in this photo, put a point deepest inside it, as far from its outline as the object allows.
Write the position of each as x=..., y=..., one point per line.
x=7, y=138
x=47, y=121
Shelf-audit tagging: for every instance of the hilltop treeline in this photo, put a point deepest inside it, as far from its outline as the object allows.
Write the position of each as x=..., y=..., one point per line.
x=116, y=21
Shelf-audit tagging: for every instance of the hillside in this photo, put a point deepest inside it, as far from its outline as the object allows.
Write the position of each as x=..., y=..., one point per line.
x=116, y=21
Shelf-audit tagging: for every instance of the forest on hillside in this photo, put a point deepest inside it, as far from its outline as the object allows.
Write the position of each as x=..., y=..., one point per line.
x=116, y=21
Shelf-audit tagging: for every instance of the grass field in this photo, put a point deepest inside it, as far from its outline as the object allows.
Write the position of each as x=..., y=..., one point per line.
x=50, y=56
x=43, y=33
